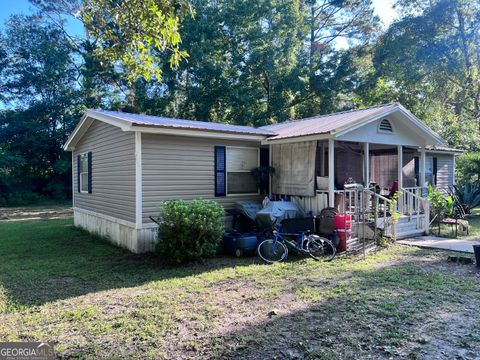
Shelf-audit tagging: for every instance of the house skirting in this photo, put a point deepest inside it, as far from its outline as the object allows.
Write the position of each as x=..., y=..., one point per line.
x=119, y=232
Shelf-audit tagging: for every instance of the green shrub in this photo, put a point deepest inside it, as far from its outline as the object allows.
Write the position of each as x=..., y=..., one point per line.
x=21, y=198
x=468, y=195
x=190, y=230
x=440, y=205
x=468, y=168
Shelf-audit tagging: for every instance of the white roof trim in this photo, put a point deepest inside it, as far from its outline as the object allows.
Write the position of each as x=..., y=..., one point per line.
x=295, y=139
x=444, y=152
x=422, y=125
x=361, y=122
x=125, y=125
x=77, y=133
x=367, y=120
x=85, y=123
x=197, y=133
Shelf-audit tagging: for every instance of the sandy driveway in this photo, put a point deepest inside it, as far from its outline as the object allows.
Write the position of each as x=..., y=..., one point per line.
x=35, y=213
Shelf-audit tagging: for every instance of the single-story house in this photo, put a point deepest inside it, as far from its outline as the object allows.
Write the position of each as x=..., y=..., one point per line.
x=125, y=165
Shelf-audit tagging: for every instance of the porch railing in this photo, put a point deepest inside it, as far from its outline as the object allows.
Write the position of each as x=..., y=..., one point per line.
x=410, y=204
x=412, y=207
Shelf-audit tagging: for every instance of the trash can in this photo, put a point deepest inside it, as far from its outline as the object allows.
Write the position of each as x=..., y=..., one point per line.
x=476, y=250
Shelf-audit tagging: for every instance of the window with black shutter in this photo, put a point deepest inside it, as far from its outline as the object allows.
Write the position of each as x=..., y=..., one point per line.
x=220, y=171
x=89, y=172
x=78, y=172
x=233, y=170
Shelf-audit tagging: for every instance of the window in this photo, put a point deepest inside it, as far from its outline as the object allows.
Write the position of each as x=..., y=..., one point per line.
x=430, y=170
x=83, y=172
x=239, y=164
x=385, y=126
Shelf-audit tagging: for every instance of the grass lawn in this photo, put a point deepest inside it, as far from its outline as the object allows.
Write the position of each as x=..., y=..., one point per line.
x=93, y=300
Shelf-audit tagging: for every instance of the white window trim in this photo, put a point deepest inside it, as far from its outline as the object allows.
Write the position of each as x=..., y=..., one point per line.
x=226, y=171
x=380, y=131
x=80, y=174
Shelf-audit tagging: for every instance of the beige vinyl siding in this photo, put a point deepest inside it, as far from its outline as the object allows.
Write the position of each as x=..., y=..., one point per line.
x=178, y=167
x=445, y=171
x=113, y=171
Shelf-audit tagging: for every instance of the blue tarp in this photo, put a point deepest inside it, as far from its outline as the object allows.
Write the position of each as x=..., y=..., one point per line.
x=278, y=210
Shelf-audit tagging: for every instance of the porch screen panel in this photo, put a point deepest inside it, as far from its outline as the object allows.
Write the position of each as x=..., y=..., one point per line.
x=294, y=166
x=348, y=164
x=408, y=169
x=384, y=168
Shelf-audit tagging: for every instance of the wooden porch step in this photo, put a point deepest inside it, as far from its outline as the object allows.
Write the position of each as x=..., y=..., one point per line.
x=404, y=221
x=355, y=245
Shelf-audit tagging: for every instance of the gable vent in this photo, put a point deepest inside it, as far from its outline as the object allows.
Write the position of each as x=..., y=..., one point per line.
x=385, y=126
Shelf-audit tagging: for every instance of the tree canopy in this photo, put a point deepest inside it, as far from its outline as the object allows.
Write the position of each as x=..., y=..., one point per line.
x=430, y=61
x=250, y=62
x=129, y=33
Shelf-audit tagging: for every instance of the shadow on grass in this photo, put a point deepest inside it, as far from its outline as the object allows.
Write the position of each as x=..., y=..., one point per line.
x=50, y=260
x=405, y=310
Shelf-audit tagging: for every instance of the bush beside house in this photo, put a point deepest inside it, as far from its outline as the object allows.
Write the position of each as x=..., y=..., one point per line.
x=190, y=230
x=468, y=168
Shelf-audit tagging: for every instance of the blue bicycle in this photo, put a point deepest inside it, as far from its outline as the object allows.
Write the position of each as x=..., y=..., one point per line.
x=276, y=249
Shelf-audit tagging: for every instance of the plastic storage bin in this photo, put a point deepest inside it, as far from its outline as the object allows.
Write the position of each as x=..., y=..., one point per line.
x=235, y=243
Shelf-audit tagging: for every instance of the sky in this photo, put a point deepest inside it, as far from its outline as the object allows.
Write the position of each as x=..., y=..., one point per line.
x=11, y=7
x=383, y=9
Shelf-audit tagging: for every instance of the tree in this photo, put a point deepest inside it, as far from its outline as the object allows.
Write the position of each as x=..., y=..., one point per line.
x=254, y=62
x=130, y=33
x=429, y=60
x=468, y=168
x=39, y=82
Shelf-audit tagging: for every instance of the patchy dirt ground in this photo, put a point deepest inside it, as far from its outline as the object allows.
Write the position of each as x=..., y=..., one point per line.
x=96, y=301
x=35, y=213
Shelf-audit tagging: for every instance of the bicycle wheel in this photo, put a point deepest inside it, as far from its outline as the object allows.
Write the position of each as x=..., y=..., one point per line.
x=320, y=248
x=272, y=251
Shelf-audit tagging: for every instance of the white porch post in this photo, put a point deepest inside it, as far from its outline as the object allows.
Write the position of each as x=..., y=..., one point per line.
x=331, y=172
x=400, y=166
x=400, y=177
x=422, y=166
x=366, y=163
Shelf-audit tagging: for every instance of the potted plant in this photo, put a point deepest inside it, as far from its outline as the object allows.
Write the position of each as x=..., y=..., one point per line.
x=262, y=177
x=394, y=213
x=440, y=206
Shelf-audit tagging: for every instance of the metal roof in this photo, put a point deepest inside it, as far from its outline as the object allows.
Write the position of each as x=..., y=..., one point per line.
x=316, y=125
x=325, y=123
x=444, y=149
x=157, y=121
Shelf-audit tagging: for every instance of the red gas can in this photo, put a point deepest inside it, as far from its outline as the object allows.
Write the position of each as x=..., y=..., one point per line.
x=342, y=222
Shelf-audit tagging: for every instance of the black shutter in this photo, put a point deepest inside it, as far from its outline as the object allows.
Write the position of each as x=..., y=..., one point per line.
x=220, y=171
x=435, y=170
x=417, y=170
x=90, y=172
x=264, y=157
x=78, y=173
x=265, y=162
